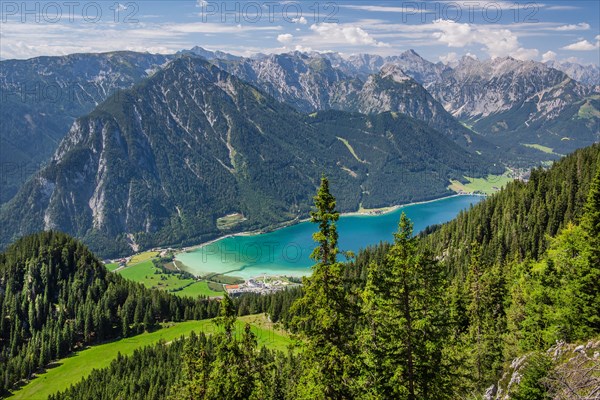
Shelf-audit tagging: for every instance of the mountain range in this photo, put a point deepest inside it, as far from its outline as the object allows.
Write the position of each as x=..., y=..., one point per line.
x=160, y=163
x=150, y=149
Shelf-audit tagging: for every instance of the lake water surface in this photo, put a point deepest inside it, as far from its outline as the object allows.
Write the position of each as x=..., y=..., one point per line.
x=286, y=251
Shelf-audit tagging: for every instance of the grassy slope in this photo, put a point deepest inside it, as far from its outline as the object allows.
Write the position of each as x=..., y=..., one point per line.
x=198, y=289
x=72, y=369
x=481, y=185
x=144, y=273
x=541, y=148
x=141, y=257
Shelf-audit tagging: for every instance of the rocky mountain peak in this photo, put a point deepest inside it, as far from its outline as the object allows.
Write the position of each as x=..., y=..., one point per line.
x=395, y=72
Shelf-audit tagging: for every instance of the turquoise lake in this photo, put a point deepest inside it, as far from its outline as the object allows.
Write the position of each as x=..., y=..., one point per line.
x=286, y=251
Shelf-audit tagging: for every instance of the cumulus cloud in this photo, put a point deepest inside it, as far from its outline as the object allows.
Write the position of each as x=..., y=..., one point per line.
x=449, y=59
x=583, y=45
x=496, y=42
x=453, y=34
x=549, y=56
x=582, y=26
x=334, y=33
x=300, y=20
x=285, y=38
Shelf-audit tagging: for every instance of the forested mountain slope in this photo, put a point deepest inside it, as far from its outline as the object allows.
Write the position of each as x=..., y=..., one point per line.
x=160, y=163
x=515, y=223
x=310, y=83
x=56, y=296
x=42, y=97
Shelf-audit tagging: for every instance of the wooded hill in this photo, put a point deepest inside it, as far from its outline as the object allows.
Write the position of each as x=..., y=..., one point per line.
x=436, y=316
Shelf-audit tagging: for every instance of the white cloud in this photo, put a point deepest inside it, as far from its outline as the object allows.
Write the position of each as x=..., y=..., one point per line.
x=573, y=60
x=303, y=49
x=583, y=45
x=334, y=33
x=201, y=3
x=549, y=56
x=300, y=20
x=285, y=38
x=449, y=59
x=497, y=42
x=562, y=8
x=453, y=34
x=582, y=26
x=415, y=8
x=31, y=40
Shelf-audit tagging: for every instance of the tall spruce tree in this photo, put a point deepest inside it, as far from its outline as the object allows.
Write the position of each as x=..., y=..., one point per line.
x=588, y=280
x=405, y=325
x=322, y=313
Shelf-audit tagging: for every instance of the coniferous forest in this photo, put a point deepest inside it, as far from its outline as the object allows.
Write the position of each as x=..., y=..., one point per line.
x=462, y=310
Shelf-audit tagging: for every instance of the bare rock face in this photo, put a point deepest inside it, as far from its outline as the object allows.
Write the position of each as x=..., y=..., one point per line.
x=573, y=372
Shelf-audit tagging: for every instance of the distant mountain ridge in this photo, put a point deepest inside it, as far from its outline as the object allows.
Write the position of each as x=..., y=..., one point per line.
x=32, y=129
x=587, y=74
x=520, y=102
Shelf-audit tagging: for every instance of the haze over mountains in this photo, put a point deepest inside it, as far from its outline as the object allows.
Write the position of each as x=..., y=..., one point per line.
x=172, y=143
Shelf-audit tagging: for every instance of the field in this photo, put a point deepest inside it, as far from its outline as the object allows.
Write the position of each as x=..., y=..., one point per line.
x=72, y=369
x=541, y=148
x=112, y=266
x=198, y=289
x=145, y=273
x=488, y=185
x=230, y=221
x=138, y=258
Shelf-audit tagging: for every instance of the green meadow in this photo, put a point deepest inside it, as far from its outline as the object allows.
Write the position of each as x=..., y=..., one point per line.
x=72, y=369
x=147, y=274
x=488, y=185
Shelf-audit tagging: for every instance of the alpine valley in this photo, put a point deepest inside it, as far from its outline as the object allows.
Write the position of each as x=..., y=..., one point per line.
x=152, y=150
x=149, y=162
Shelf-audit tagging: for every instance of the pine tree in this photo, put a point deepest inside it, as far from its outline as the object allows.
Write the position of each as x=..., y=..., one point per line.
x=321, y=315
x=405, y=323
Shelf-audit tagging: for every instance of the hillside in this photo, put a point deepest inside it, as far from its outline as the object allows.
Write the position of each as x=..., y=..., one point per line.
x=42, y=97
x=56, y=297
x=514, y=224
x=160, y=163
x=394, y=324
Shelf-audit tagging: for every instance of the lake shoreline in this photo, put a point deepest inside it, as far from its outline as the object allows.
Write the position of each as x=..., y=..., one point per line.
x=189, y=256
x=364, y=213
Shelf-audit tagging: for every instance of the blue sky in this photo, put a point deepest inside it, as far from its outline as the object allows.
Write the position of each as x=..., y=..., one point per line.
x=439, y=30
